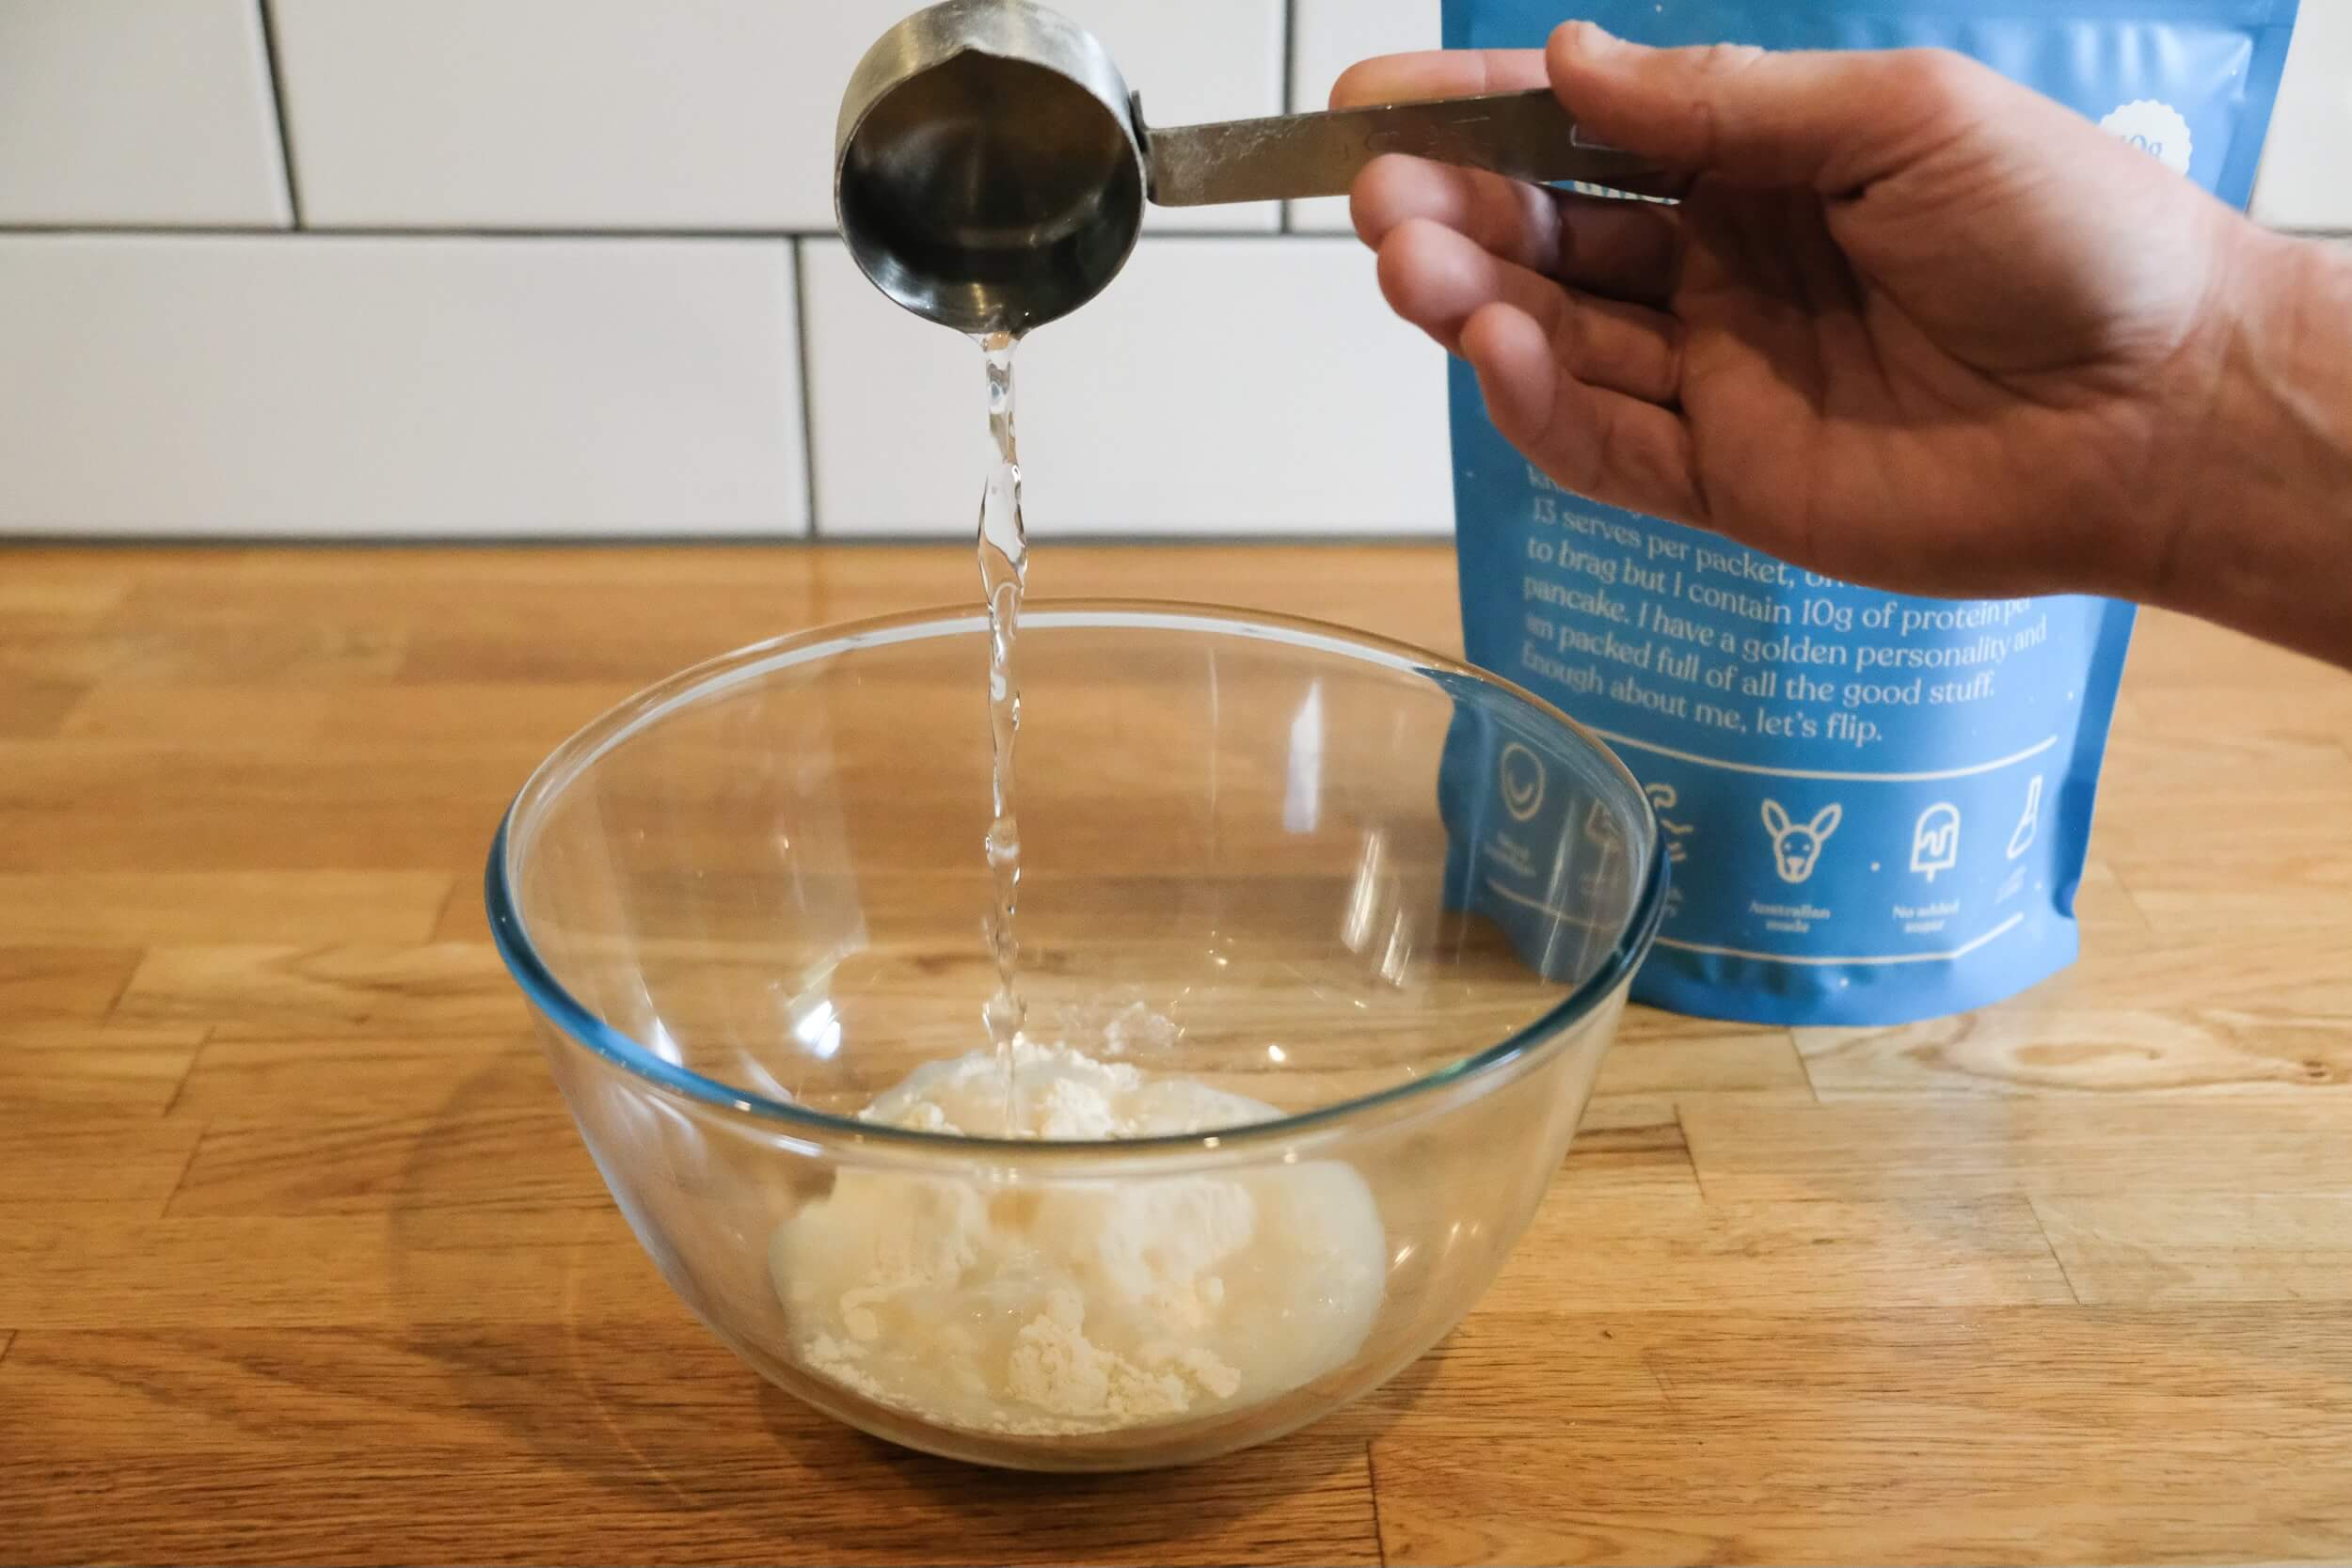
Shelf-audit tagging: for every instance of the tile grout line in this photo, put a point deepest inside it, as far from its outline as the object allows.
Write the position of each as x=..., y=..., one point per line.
x=655, y=231
x=1290, y=56
x=278, y=105
x=799, y=250
x=549, y=231
x=1285, y=223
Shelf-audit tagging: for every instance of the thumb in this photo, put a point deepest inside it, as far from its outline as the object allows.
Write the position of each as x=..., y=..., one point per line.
x=1833, y=121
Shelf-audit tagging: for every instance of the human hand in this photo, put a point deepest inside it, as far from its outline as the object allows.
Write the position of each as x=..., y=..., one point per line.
x=1913, y=325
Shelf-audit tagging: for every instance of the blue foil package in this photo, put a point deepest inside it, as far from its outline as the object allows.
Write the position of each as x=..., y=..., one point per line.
x=1877, y=807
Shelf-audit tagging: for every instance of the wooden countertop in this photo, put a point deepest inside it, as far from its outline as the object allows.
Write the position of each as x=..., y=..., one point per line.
x=300, y=1259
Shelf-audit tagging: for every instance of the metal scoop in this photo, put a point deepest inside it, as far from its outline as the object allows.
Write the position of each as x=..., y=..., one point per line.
x=991, y=168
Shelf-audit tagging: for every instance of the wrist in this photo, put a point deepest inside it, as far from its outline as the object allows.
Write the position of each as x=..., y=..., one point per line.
x=2264, y=540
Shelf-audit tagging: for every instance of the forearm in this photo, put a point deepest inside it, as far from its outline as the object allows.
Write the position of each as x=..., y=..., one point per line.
x=2268, y=549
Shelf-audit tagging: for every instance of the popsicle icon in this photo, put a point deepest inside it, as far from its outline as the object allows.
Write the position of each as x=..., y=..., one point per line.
x=2030, y=822
x=1936, y=840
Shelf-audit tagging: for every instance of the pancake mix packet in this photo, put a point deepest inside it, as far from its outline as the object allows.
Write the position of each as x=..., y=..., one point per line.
x=1875, y=807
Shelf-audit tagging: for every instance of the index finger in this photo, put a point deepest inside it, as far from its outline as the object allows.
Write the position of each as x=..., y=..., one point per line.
x=1437, y=73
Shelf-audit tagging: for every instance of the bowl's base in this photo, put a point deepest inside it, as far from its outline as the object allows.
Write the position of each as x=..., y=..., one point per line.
x=1159, y=1447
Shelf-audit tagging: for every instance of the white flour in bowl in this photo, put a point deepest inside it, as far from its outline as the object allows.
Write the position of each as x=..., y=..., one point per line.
x=1064, y=1307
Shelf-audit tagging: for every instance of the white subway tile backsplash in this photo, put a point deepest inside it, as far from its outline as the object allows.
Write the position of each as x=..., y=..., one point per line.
x=2306, y=167
x=1201, y=60
x=1250, y=382
x=1333, y=34
x=136, y=112
x=431, y=387
x=526, y=114
x=625, y=113
x=1217, y=387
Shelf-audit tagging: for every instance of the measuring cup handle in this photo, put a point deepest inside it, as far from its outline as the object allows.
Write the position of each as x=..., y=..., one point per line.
x=1526, y=135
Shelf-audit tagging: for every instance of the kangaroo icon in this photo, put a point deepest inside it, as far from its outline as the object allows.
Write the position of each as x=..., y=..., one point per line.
x=1796, y=846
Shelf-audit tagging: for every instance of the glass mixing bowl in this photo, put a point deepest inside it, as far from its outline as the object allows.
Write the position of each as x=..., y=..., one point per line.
x=1389, y=902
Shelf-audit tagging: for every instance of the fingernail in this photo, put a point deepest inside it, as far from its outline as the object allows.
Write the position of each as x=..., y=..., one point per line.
x=1594, y=39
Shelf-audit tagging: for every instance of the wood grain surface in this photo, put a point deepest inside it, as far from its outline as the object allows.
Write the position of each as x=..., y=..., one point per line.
x=301, y=1261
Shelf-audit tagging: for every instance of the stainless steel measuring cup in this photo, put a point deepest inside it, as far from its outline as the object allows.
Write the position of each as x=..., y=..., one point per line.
x=991, y=166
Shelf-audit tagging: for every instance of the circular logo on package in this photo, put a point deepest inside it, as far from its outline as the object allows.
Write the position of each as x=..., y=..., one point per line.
x=2156, y=129
x=1522, y=781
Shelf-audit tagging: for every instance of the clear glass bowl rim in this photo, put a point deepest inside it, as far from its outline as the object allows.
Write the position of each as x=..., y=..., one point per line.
x=715, y=675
